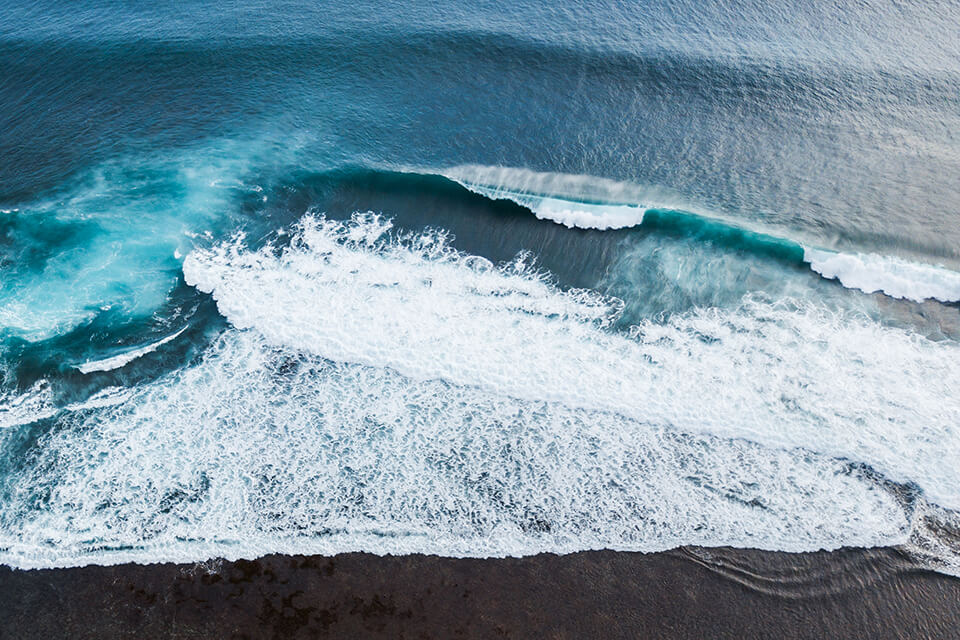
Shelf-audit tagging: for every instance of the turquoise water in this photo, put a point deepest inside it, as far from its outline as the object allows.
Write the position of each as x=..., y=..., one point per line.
x=477, y=281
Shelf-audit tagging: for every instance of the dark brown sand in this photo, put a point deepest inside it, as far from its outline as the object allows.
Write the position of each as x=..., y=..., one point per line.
x=686, y=593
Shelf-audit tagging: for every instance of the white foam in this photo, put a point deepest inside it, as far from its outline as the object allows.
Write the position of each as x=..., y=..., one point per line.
x=394, y=396
x=574, y=214
x=893, y=276
x=260, y=449
x=783, y=375
x=121, y=359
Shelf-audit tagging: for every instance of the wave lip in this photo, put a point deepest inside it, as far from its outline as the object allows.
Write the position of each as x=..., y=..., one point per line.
x=895, y=277
x=574, y=201
x=579, y=214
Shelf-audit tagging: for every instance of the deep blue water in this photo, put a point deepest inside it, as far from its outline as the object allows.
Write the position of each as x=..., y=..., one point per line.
x=477, y=279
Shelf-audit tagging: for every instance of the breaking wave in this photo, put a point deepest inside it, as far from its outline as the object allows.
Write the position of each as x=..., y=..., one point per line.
x=597, y=203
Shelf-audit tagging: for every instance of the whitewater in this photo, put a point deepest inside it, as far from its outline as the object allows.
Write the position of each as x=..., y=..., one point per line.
x=378, y=390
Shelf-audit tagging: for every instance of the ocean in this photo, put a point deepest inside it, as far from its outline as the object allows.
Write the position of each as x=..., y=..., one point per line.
x=478, y=280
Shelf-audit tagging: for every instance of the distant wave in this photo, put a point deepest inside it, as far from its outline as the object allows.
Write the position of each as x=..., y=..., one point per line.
x=598, y=203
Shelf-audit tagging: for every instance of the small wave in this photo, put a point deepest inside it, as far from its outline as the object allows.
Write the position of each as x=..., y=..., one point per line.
x=121, y=359
x=599, y=203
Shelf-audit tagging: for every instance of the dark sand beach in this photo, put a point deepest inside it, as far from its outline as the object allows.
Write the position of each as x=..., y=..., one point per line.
x=685, y=593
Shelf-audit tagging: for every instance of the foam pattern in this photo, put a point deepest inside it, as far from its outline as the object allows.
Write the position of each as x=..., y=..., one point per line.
x=260, y=449
x=786, y=375
x=379, y=391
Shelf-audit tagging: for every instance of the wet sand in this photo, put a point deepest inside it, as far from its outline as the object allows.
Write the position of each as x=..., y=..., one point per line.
x=685, y=593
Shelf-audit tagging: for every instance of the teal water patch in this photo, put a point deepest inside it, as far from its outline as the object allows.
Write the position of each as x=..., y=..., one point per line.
x=29, y=242
x=112, y=239
x=720, y=234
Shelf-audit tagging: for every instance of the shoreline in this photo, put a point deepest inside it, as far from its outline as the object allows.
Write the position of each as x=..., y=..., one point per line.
x=690, y=592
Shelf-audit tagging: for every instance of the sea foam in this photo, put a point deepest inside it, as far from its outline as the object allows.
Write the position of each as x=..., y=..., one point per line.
x=352, y=293
x=263, y=449
x=383, y=392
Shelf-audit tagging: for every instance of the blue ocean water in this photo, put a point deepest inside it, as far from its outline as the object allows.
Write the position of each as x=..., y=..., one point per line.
x=477, y=279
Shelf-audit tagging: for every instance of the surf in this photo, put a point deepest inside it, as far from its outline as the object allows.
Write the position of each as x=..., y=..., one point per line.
x=379, y=390
x=414, y=304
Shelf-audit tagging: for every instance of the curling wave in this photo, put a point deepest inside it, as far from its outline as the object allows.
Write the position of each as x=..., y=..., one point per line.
x=598, y=203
